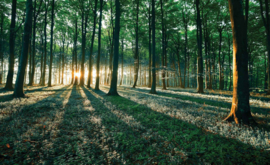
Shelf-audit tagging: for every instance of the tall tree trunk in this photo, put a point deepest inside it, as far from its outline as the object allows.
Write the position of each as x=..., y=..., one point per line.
x=240, y=111
x=122, y=63
x=18, y=91
x=199, y=58
x=136, y=59
x=63, y=62
x=149, y=47
x=9, y=81
x=1, y=48
x=153, y=87
x=113, y=87
x=99, y=45
x=221, y=77
x=163, y=47
x=179, y=68
x=72, y=67
x=45, y=46
x=89, y=81
x=75, y=52
x=266, y=21
x=31, y=79
x=41, y=60
x=84, y=25
x=51, y=47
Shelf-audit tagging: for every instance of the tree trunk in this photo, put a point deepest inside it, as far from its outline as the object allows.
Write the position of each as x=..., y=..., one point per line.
x=18, y=91
x=75, y=52
x=72, y=66
x=51, y=47
x=9, y=82
x=113, y=87
x=31, y=79
x=153, y=87
x=266, y=21
x=45, y=46
x=41, y=60
x=63, y=62
x=122, y=64
x=84, y=25
x=149, y=47
x=199, y=58
x=240, y=111
x=163, y=48
x=89, y=81
x=99, y=45
x=1, y=48
x=221, y=78
x=136, y=59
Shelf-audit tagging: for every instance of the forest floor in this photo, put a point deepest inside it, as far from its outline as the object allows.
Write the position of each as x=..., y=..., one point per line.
x=76, y=125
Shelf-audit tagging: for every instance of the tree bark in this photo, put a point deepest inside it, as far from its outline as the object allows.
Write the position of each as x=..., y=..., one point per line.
x=122, y=63
x=221, y=78
x=89, y=81
x=153, y=87
x=113, y=87
x=9, y=82
x=240, y=110
x=84, y=25
x=199, y=58
x=99, y=45
x=1, y=48
x=163, y=48
x=18, y=91
x=45, y=46
x=51, y=47
x=136, y=59
x=149, y=47
x=266, y=21
x=75, y=51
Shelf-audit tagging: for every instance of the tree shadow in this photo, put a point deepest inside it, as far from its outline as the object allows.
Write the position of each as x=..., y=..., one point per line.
x=208, y=146
x=208, y=92
x=101, y=134
x=223, y=104
x=23, y=129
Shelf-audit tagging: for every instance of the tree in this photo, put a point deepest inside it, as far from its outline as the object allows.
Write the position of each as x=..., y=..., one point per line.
x=99, y=45
x=266, y=22
x=36, y=13
x=9, y=81
x=45, y=44
x=199, y=58
x=240, y=110
x=153, y=87
x=18, y=91
x=136, y=57
x=113, y=86
x=91, y=47
x=51, y=47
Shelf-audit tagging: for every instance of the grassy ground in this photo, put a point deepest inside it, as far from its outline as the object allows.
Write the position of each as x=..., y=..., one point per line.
x=77, y=125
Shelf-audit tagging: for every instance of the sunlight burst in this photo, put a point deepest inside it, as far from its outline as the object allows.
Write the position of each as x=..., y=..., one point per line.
x=78, y=74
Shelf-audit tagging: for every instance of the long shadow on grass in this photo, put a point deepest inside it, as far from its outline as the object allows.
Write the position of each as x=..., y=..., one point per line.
x=261, y=120
x=208, y=92
x=9, y=97
x=206, y=101
x=24, y=130
x=208, y=146
x=109, y=141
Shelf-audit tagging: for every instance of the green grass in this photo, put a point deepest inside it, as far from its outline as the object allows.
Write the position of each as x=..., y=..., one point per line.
x=75, y=125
